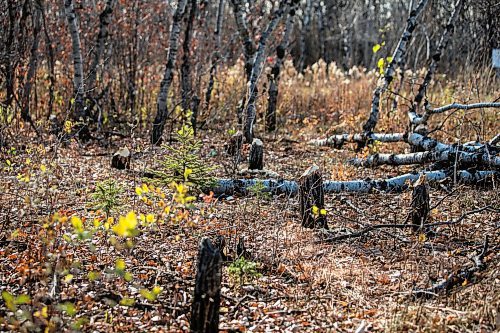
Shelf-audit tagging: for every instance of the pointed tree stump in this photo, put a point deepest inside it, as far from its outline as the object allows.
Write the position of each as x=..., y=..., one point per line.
x=121, y=159
x=235, y=144
x=206, y=300
x=256, y=159
x=420, y=203
x=311, y=197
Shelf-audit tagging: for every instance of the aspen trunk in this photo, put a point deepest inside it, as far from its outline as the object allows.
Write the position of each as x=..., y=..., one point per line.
x=78, y=79
x=168, y=76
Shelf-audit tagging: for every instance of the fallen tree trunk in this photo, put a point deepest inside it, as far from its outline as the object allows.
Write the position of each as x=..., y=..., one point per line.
x=337, y=141
x=395, y=184
x=452, y=155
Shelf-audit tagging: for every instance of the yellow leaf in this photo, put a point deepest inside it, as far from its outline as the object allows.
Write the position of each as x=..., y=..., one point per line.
x=315, y=210
x=150, y=218
x=422, y=238
x=322, y=211
x=138, y=191
x=145, y=188
x=465, y=282
x=376, y=47
x=126, y=225
x=68, y=278
x=389, y=60
x=187, y=172
x=43, y=168
x=157, y=290
x=120, y=265
x=77, y=223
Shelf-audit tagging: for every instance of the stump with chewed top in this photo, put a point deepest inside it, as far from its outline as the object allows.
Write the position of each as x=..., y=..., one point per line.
x=121, y=159
x=207, y=291
x=312, y=199
x=256, y=158
x=420, y=206
x=234, y=145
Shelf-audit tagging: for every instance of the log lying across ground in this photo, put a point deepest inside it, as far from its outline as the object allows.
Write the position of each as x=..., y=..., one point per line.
x=480, y=158
x=395, y=184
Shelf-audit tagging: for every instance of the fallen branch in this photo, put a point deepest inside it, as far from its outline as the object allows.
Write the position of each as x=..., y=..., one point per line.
x=461, y=277
x=366, y=230
x=395, y=184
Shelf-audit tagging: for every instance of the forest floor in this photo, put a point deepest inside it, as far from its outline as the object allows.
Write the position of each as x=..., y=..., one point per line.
x=303, y=283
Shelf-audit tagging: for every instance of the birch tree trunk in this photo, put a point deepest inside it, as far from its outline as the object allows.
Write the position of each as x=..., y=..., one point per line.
x=186, y=84
x=250, y=113
x=275, y=73
x=33, y=63
x=415, y=119
x=168, y=76
x=102, y=36
x=78, y=79
x=215, y=55
x=389, y=72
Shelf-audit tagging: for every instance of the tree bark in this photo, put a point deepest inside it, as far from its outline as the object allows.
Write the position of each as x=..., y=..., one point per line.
x=207, y=290
x=168, y=76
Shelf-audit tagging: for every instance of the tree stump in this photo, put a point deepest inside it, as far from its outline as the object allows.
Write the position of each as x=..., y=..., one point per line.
x=121, y=159
x=311, y=197
x=235, y=144
x=206, y=301
x=420, y=203
x=256, y=159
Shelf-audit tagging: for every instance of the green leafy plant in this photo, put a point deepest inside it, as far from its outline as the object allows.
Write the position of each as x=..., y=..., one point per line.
x=243, y=270
x=259, y=190
x=183, y=164
x=106, y=196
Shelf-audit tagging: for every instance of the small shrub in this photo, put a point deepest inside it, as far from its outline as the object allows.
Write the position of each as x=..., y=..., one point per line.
x=106, y=196
x=242, y=270
x=182, y=163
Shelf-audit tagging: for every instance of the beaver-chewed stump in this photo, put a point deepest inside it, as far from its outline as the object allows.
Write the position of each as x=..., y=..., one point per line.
x=312, y=199
x=256, y=158
x=420, y=203
x=121, y=159
x=233, y=147
x=207, y=290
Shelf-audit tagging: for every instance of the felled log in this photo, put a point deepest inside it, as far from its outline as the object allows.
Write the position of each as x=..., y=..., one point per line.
x=121, y=159
x=452, y=155
x=256, y=158
x=420, y=206
x=207, y=290
x=395, y=184
x=337, y=141
x=312, y=198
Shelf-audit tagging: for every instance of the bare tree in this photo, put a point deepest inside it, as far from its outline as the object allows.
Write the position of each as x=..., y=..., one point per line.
x=166, y=82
